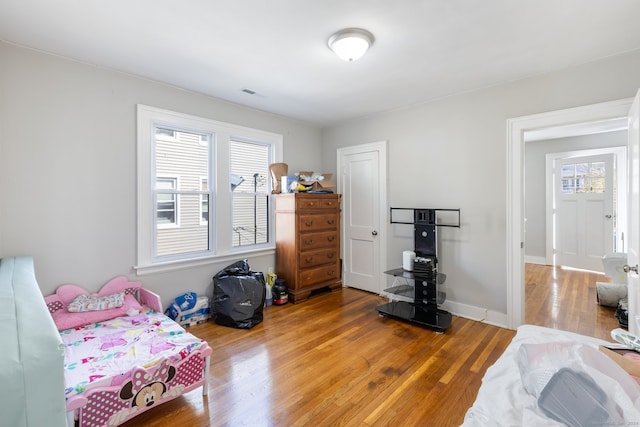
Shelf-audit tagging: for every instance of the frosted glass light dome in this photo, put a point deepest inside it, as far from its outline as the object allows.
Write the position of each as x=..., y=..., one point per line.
x=351, y=43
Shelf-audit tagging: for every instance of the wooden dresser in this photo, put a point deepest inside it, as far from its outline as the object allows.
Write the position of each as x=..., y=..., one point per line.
x=308, y=242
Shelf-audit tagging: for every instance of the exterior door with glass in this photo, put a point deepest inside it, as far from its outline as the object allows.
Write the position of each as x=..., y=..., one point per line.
x=584, y=211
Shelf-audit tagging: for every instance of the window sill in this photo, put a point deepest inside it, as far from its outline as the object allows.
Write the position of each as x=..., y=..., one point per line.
x=142, y=270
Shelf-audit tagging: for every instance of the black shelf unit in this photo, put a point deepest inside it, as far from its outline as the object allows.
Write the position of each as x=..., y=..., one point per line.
x=419, y=303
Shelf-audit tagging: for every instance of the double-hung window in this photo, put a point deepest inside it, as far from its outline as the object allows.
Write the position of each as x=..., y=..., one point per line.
x=203, y=189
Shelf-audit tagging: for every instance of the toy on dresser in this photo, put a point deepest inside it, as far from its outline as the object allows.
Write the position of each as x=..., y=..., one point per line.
x=189, y=309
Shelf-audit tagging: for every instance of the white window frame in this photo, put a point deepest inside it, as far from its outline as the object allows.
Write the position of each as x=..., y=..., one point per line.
x=221, y=248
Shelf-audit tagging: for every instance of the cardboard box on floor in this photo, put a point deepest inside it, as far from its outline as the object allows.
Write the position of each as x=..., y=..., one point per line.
x=325, y=184
x=616, y=352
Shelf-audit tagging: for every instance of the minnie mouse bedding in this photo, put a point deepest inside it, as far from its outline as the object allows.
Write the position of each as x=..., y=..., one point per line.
x=130, y=360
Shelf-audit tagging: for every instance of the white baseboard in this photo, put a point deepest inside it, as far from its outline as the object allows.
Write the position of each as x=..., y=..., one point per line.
x=476, y=313
x=530, y=259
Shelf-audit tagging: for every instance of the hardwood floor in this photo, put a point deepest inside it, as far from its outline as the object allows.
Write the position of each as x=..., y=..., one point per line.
x=331, y=360
x=566, y=299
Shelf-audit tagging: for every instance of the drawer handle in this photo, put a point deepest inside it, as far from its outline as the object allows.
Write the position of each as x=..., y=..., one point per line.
x=309, y=260
x=331, y=221
x=332, y=273
x=331, y=238
x=308, y=223
x=308, y=241
x=330, y=255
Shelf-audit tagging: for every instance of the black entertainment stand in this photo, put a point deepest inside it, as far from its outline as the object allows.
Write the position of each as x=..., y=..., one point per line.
x=424, y=307
x=418, y=300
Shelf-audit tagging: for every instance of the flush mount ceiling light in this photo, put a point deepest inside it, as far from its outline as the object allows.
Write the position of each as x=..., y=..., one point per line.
x=351, y=43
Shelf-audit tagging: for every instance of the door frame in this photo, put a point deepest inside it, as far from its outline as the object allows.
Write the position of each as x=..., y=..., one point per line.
x=516, y=128
x=620, y=201
x=381, y=148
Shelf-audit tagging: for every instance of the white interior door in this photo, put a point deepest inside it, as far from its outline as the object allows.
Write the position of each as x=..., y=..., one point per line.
x=633, y=240
x=583, y=200
x=362, y=182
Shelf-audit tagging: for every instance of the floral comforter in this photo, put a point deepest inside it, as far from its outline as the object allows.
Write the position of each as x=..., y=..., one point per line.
x=105, y=353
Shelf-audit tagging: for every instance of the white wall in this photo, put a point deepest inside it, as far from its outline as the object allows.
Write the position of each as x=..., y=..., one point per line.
x=451, y=153
x=68, y=167
x=535, y=180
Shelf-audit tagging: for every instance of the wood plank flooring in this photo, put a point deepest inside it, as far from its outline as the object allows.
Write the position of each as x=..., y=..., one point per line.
x=331, y=360
x=566, y=299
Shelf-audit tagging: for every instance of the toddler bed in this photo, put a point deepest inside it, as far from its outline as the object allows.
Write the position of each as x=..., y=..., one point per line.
x=122, y=355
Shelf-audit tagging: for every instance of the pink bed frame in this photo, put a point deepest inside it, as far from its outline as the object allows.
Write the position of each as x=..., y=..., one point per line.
x=115, y=404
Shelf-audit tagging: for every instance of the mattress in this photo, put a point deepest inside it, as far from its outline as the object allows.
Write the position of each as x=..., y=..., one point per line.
x=105, y=353
x=502, y=399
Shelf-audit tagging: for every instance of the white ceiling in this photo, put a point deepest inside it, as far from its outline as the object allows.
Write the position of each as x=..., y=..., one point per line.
x=424, y=49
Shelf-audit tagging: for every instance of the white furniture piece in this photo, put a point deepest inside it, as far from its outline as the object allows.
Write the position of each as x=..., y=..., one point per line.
x=32, y=358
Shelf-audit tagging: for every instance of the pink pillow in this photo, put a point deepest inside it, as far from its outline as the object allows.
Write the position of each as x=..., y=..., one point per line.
x=67, y=320
x=65, y=294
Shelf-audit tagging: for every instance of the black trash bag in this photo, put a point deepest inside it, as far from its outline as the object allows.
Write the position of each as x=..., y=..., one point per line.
x=238, y=296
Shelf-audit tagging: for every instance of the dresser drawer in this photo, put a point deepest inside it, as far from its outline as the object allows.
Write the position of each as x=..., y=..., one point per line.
x=310, y=259
x=313, y=222
x=309, y=241
x=326, y=273
x=317, y=203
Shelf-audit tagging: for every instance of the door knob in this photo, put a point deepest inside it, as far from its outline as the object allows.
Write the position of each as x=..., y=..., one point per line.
x=628, y=268
x=374, y=233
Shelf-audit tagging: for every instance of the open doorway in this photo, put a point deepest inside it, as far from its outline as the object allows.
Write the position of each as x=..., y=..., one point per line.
x=516, y=129
x=575, y=213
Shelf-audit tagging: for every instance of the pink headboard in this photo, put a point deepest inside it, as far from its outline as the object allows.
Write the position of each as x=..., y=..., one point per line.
x=57, y=303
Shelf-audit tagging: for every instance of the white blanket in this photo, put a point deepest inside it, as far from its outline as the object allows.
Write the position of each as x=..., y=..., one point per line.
x=502, y=399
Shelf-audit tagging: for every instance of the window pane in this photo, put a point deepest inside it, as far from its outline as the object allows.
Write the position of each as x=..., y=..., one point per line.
x=597, y=169
x=250, y=188
x=568, y=171
x=582, y=185
x=250, y=219
x=597, y=177
x=189, y=236
x=582, y=170
x=587, y=178
x=597, y=185
x=182, y=214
